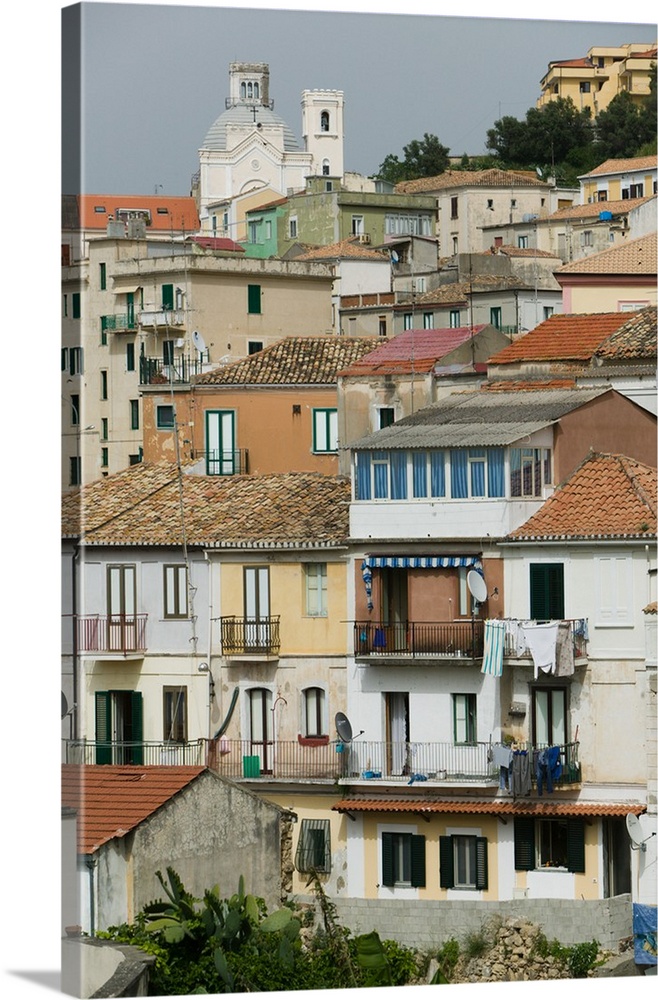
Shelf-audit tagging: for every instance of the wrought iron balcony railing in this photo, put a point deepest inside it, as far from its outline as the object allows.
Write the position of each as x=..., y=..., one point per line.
x=250, y=636
x=111, y=633
x=226, y=463
x=119, y=322
x=179, y=371
x=194, y=754
x=419, y=639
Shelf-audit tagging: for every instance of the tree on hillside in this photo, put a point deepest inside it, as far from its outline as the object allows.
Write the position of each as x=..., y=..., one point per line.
x=424, y=157
x=624, y=127
x=555, y=133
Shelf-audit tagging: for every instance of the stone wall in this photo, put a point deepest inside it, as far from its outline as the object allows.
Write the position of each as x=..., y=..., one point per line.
x=426, y=924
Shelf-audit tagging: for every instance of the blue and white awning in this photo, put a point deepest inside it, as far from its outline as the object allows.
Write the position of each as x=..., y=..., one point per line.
x=412, y=562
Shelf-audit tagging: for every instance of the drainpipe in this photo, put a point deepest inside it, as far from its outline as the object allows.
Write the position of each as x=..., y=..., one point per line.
x=73, y=732
x=91, y=865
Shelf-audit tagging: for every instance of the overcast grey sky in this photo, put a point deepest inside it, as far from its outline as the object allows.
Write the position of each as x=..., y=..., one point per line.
x=154, y=78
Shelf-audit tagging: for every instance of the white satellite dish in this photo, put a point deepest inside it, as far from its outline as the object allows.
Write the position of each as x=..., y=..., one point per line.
x=476, y=585
x=65, y=706
x=198, y=341
x=394, y=257
x=635, y=832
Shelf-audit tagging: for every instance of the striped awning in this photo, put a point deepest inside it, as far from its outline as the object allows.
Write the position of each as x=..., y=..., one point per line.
x=412, y=562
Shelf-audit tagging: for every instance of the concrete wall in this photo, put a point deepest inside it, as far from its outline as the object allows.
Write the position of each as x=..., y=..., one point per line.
x=425, y=924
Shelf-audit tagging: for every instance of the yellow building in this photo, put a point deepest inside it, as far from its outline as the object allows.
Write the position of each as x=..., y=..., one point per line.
x=592, y=81
x=620, y=180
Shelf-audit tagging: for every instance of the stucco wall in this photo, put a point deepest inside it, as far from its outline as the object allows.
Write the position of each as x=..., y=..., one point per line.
x=610, y=423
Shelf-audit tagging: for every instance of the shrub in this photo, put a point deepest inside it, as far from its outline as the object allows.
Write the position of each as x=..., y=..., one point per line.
x=448, y=956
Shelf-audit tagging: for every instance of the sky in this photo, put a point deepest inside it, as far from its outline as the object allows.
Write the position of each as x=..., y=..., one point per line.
x=154, y=110
x=154, y=78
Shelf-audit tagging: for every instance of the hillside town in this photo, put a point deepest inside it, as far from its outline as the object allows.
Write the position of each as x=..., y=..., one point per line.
x=359, y=569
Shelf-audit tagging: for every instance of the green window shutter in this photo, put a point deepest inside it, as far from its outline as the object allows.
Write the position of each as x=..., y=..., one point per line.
x=524, y=843
x=137, y=734
x=76, y=305
x=167, y=296
x=575, y=845
x=546, y=591
x=103, y=735
x=417, y=860
x=253, y=298
x=481, y=863
x=446, y=863
x=387, y=859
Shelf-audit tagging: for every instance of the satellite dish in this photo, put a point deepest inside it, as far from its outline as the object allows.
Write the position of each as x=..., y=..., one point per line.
x=198, y=341
x=634, y=828
x=343, y=727
x=476, y=585
x=65, y=706
x=394, y=257
x=539, y=173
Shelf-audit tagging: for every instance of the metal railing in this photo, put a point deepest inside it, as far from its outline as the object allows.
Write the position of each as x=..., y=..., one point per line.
x=250, y=636
x=111, y=633
x=194, y=754
x=419, y=639
x=226, y=463
x=118, y=321
x=516, y=648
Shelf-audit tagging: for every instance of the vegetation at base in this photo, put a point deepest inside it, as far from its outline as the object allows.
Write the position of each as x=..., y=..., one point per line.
x=577, y=958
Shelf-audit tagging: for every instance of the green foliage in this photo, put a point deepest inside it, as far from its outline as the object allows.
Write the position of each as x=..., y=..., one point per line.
x=372, y=960
x=578, y=959
x=424, y=157
x=623, y=128
x=406, y=964
x=476, y=944
x=549, y=134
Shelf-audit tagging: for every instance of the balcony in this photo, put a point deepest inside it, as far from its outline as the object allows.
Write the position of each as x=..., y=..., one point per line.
x=193, y=754
x=166, y=318
x=419, y=640
x=178, y=371
x=250, y=638
x=119, y=323
x=119, y=634
x=225, y=463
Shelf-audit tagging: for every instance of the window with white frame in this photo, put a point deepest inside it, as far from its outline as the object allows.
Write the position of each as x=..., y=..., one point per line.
x=174, y=706
x=428, y=320
x=325, y=430
x=614, y=590
x=403, y=859
x=292, y=227
x=314, y=712
x=175, y=591
x=357, y=225
x=315, y=589
x=586, y=238
x=407, y=320
x=464, y=709
x=463, y=862
x=523, y=242
x=455, y=318
x=313, y=851
x=530, y=471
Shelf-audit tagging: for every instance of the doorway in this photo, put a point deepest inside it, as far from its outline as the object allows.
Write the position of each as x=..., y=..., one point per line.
x=397, y=732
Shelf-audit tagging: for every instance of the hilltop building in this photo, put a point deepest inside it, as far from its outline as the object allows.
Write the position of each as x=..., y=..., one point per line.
x=593, y=80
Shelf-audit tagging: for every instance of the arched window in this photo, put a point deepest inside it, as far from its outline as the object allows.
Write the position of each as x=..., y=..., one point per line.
x=250, y=90
x=256, y=90
x=243, y=90
x=314, y=712
x=325, y=167
x=324, y=121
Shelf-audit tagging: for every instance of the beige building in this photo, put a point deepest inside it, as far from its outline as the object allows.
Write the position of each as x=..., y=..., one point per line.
x=622, y=278
x=143, y=312
x=593, y=80
x=617, y=180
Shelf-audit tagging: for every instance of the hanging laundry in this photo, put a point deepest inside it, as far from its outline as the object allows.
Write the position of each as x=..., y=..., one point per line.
x=494, y=647
x=541, y=640
x=564, y=660
x=501, y=757
x=548, y=768
x=514, y=637
x=521, y=778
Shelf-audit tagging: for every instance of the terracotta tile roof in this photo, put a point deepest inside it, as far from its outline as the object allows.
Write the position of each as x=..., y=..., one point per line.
x=512, y=251
x=593, y=209
x=141, y=506
x=635, y=339
x=471, y=178
x=483, y=806
x=651, y=609
x=181, y=214
x=583, y=63
x=457, y=292
x=292, y=361
x=622, y=166
x=608, y=496
x=562, y=336
x=217, y=243
x=345, y=248
x=630, y=257
x=111, y=801
x=412, y=350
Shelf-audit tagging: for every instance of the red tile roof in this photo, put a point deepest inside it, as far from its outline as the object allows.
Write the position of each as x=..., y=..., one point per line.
x=181, y=213
x=217, y=243
x=608, y=496
x=592, y=210
x=638, y=256
x=622, y=166
x=471, y=178
x=292, y=361
x=488, y=807
x=111, y=801
x=351, y=247
x=412, y=350
x=564, y=336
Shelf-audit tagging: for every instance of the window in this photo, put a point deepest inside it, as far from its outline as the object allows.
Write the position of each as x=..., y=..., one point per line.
x=135, y=459
x=548, y=312
x=121, y=603
x=512, y=203
x=75, y=471
x=463, y=862
x=314, y=706
x=75, y=303
x=407, y=321
x=549, y=843
x=386, y=416
x=324, y=121
x=65, y=305
x=167, y=352
x=103, y=332
x=221, y=456
x=546, y=591
x=496, y=316
x=174, y=710
x=103, y=383
x=455, y=318
x=549, y=716
x=602, y=196
x=103, y=276
x=585, y=87
x=329, y=185
x=357, y=225
x=477, y=472
x=464, y=718
x=268, y=229
x=104, y=428
x=530, y=471
x=325, y=430
x=403, y=859
x=119, y=727
x=175, y=591
x=254, y=346
x=586, y=238
x=104, y=457
x=454, y=208
x=455, y=245
x=134, y=414
x=614, y=590
x=313, y=846
x=315, y=585
x=382, y=326
x=75, y=410
x=130, y=357
x=65, y=358
x=167, y=296
x=76, y=361
x=253, y=299
x=253, y=232
x=292, y=228
x=490, y=204
x=523, y=242
x=428, y=321
x=325, y=173
x=164, y=417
